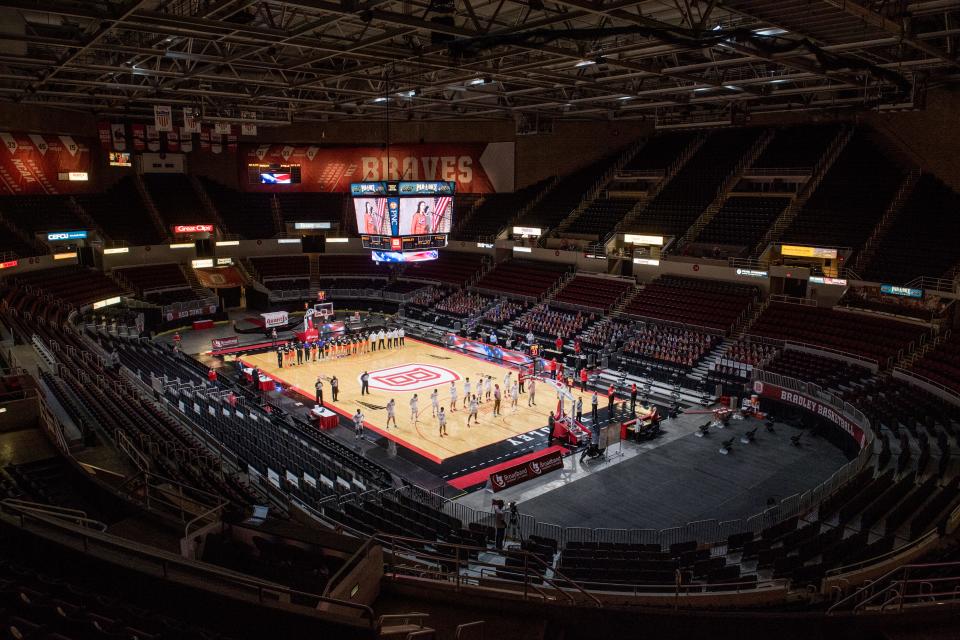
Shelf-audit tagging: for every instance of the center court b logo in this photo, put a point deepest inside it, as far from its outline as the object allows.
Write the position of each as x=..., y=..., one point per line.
x=411, y=377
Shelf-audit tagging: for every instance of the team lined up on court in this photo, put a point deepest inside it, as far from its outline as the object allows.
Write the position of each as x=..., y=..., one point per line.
x=293, y=353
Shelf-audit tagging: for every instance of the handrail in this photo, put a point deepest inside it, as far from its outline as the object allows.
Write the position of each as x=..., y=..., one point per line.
x=70, y=515
x=349, y=565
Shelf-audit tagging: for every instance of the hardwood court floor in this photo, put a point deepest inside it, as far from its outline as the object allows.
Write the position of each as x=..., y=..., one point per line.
x=417, y=368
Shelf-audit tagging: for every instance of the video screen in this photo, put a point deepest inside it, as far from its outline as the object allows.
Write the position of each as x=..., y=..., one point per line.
x=275, y=177
x=119, y=159
x=425, y=215
x=372, y=216
x=410, y=256
x=273, y=173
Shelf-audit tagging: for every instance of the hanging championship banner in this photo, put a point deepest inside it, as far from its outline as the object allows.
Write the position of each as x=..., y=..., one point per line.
x=216, y=142
x=186, y=140
x=72, y=147
x=205, y=138
x=191, y=123
x=248, y=128
x=222, y=128
x=153, y=138
x=173, y=142
x=139, y=137
x=104, y=129
x=119, y=136
x=232, y=143
x=163, y=118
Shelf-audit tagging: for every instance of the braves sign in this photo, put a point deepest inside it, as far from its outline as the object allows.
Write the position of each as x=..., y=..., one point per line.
x=474, y=167
x=411, y=377
x=511, y=476
x=825, y=411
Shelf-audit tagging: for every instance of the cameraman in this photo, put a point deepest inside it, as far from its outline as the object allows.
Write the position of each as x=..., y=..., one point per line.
x=499, y=522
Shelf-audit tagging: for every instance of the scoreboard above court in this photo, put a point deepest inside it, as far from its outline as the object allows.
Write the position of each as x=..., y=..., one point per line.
x=404, y=243
x=401, y=216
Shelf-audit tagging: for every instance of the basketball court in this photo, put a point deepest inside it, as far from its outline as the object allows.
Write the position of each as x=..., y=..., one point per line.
x=419, y=368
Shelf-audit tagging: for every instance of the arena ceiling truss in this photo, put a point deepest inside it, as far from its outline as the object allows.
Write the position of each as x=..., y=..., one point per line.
x=530, y=61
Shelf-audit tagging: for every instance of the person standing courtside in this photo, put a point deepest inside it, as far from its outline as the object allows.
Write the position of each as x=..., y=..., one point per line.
x=364, y=383
x=402, y=335
x=380, y=337
x=280, y=357
x=532, y=398
x=580, y=409
x=593, y=407
x=633, y=399
x=496, y=399
x=334, y=387
x=319, y=387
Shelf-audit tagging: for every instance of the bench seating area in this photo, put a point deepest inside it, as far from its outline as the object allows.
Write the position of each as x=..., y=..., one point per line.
x=73, y=285
x=930, y=219
x=594, y=293
x=451, y=267
x=850, y=200
x=495, y=211
x=942, y=364
x=154, y=277
x=705, y=303
x=350, y=265
x=36, y=214
x=877, y=339
x=293, y=271
x=176, y=199
x=828, y=373
x=522, y=278
x=248, y=214
x=695, y=186
x=122, y=214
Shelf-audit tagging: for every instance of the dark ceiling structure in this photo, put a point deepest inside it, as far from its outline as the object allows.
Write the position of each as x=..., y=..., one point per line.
x=672, y=61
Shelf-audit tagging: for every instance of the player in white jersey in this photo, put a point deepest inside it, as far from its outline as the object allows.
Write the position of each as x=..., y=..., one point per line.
x=514, y=394
x=507, y=380
x=453, y=396
x=473, y=411
x=391, y=413
x=466, y=391
x=434, y=403
x=358, y=424
x=414, y=409
x=443, y=422
x=532, y=398
x=488, y=387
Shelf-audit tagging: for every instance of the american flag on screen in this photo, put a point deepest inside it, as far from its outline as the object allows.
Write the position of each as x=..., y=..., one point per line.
x=382, y=216
x=275, y=178
x=441, y=210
